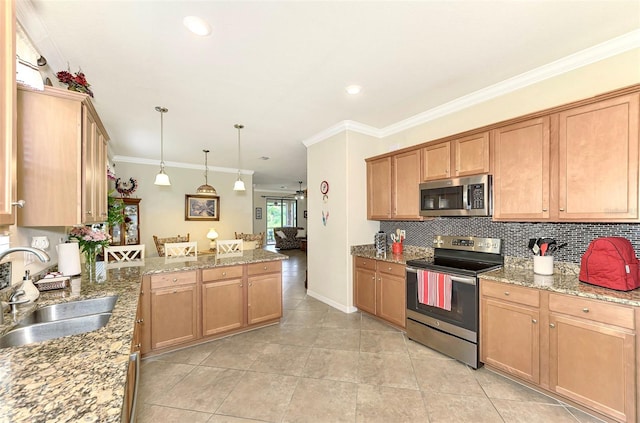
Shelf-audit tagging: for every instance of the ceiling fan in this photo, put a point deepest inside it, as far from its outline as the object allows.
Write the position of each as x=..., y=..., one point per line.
x=300, y=194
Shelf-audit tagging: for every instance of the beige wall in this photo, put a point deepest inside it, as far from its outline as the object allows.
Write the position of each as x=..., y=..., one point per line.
x=162, y=208
x=329, y=262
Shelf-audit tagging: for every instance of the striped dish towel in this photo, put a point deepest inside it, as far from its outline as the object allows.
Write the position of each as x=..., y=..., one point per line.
x=434, y=289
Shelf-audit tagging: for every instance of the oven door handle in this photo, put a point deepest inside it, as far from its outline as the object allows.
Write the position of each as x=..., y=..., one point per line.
x=461, y=279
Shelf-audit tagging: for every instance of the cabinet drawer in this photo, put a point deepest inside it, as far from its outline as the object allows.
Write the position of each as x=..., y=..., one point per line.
x=165, y=280
x=231, y=272
x=265, y=267
x=395, y=269
x=365, y=263
x=513, y=293
x=599, y=311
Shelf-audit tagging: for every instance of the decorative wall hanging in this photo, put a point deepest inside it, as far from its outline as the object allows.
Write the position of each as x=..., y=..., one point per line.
x=201, y=207
x=258, y=213
x=126, y=188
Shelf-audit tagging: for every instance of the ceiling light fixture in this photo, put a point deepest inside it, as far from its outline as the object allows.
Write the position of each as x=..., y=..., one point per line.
x=162, y=178
x=353, y=89
x=206, y=189
x=300, y=192
x=197, y=25
x=239, y=185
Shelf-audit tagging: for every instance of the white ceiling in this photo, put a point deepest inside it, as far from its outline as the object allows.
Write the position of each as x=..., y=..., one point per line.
x=280, y=67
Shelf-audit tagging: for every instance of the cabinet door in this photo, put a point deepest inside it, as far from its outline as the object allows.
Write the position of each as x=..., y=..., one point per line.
x=222, y=306
x=521, y=183
x=392, y=298
x=379, y=189
x=89, y=152
x=365, y=290
x=7, y=112
x=173, y=316
x=471, y=155
x=100, y=179
x=264, y=298
x=593, y=364
x=599, y=161
x=510, y=338
x=436, y=162
x=406, y=181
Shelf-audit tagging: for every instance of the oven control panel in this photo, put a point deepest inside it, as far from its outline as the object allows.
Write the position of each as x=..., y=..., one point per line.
x=468, y=243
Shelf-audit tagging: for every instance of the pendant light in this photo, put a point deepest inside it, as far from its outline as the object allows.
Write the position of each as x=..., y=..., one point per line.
x=162, y=178
x=239, y=185
x=206, y=189
x=300, y=192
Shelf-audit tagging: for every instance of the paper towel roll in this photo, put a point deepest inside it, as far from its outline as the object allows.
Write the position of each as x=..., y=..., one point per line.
x=68, y=258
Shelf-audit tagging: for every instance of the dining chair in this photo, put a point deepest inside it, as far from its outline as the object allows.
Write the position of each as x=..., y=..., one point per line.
x=229, y=246
x=123, y=253
x=161, y=241
x=181, y=249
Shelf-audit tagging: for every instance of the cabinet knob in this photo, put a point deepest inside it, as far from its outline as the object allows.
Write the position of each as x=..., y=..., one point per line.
x=175, y=280
x=552, y=325
x=586, y=310
x=544, y=210
x=175, y=292
x=250, y=284
x=89, y=212
x=534, y=321
x=561, y=209
x=138, y=345
x=224, y=273
x=506, y=293
x=19, y=203
x=241, y=285
x=139, y=320
x=373, y=278
x=265, y=268
x=389, y=269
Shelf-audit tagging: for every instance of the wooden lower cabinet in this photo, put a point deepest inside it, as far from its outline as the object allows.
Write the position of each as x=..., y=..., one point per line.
x=185, y=308
x=223, y=299
x=380, y=289
x=174, y=309
x=581, y=349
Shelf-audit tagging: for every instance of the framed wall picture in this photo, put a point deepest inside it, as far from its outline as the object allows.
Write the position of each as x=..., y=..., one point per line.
x=305, y=214
x=201, y=207
x=258, y=213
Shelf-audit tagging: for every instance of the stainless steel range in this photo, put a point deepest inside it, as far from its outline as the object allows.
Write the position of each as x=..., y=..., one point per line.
x=453, y=332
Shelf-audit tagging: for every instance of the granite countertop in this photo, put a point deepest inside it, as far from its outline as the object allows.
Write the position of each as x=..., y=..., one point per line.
x=564, y=281
x=409, y=252
x=82, y=377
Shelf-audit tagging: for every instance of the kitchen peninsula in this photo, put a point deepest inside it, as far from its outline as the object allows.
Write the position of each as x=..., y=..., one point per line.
x=84, y=377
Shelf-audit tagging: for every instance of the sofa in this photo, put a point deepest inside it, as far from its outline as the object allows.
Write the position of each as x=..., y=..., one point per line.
x=291, y=239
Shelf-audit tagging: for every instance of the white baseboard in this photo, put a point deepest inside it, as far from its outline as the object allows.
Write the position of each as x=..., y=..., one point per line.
x=328, y=301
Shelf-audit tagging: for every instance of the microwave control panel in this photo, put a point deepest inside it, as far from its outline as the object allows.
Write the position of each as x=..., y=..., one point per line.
x=476, y=196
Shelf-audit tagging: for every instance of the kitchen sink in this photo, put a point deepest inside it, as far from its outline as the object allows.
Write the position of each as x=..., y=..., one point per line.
x=39, y=332
x=69, y=310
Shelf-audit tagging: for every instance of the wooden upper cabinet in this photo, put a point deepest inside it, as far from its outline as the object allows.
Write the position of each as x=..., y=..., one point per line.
x=471, y=155
x=379, y=189
x=392, y=186
x=405, y=182
x=598, y=161
x=7, y=113
x=436, y=161
x=61, y=159
x=521, y=182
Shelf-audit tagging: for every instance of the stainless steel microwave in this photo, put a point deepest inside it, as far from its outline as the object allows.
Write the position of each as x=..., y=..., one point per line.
x=468, y=196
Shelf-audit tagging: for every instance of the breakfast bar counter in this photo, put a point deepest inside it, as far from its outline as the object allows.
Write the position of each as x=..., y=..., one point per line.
x=82, y=378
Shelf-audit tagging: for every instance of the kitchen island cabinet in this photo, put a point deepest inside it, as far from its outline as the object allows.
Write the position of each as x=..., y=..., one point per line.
x=580, y=349
x=264, y=292
x=223, y=299
x=85, y=377
x=61, y=143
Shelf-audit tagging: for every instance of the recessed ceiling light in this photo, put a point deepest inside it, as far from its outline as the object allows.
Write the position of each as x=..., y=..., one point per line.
x=197, y=25
x=353, y=89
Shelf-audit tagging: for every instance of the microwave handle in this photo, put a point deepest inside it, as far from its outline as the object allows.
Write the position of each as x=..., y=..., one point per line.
x=466, y=197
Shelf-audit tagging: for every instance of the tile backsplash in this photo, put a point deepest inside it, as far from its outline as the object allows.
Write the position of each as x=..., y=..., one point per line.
x=515, y=235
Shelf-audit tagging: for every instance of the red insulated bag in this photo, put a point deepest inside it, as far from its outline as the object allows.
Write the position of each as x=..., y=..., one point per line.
x=610, y=262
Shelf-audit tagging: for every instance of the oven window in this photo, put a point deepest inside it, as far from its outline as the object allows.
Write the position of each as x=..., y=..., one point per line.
x=447, y=198
x=464, y=304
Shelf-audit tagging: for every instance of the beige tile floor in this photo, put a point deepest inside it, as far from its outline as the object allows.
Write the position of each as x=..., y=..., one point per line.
x=322, y=365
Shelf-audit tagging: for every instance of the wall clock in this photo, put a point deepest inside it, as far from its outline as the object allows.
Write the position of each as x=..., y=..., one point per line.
x=324, y=187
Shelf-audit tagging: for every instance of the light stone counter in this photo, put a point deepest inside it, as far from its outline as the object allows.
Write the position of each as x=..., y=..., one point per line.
x=409, y=252
x=564, y=281
x=81, y=378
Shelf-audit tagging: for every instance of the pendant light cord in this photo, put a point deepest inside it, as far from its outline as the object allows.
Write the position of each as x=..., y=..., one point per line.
x=239, y=127
x=162, y=111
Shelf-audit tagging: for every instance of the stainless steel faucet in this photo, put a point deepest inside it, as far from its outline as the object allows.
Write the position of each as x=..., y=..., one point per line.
x=13, y=299
x=42, y=255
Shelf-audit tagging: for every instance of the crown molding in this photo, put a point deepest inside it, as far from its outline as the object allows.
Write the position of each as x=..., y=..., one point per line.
x=615, y=46
x=150, y=162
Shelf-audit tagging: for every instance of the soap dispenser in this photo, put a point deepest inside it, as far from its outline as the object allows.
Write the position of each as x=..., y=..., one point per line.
x=31, y=293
